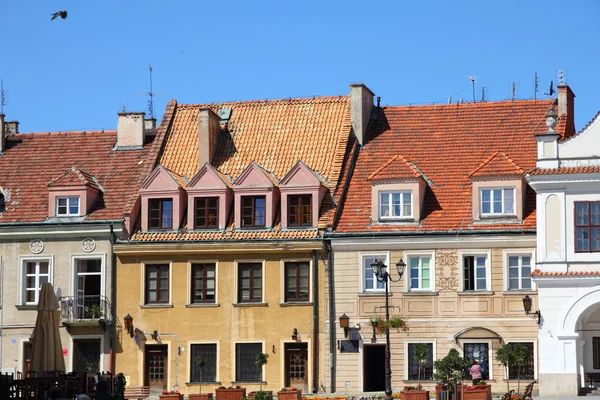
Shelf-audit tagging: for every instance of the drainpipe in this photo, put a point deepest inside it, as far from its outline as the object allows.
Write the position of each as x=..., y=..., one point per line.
x=113, y=299
x=1, y=310
x=332, y=332
x=315, y=334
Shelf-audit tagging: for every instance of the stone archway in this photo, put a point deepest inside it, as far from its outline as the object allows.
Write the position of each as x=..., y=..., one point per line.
x=572, y=313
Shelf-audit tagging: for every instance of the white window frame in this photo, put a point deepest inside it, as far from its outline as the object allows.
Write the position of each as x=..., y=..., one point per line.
x=234, y=358
x=362, y=271
x=488, y=269
x=23, y=279
x=390, y=193
x=520, y=253
x=407, y=278
x=189, y=357
x=75, y=274
x=407, y=361
x=68, y=199
x=492, y=190
x=263, y=282
x=535, y=356
x=69, y=359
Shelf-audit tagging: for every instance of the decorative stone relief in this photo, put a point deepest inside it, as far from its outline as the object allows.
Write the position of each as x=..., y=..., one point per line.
x=36, y=246
x=88, y=245
x=446, y=271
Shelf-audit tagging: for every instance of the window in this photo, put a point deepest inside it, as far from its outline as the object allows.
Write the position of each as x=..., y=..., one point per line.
x=395, y=205
x=596, y=352
x=2, y=203
x=519, y=268
x=35, y=274
x=426, y=365
x=66, y=206
x=528, y=371
x=203, y=283
x=250, y=282
x=245, y=368
x=161, y=214
x=420, y=272
x=203, y=363
x=296, y=281
x=157, y=284
x=369, y=279
x=207, y=212
x=299, y=210
x=88, y=287
x=498, y=201
x=474, y=273
x=253, y=211
x=587, y=226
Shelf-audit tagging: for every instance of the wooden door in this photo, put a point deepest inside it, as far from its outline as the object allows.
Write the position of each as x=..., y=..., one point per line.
x=296, y=366
x=156, y=368
x=374, y=367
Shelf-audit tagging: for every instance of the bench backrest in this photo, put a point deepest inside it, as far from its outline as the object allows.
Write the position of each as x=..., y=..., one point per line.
x=529, y=390
x=137, y=389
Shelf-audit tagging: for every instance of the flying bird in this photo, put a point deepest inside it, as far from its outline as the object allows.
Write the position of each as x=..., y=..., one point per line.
x=62, y=14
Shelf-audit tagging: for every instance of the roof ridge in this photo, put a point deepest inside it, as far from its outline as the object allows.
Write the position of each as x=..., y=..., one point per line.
x=469, y=104
x=103, y=131
x=265, y=101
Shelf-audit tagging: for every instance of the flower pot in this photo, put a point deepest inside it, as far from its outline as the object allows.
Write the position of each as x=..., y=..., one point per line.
x=178, y=396
x=478, y=393
x=290, y=395
x=414, y=395
x=251, y=394
x=230, y=394
x=200, y=396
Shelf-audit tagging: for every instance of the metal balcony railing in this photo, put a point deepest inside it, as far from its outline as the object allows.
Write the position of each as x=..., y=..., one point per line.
x=84, y=308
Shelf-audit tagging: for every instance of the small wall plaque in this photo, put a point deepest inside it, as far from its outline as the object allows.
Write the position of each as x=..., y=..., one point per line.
x=36, y=246
x=349, y=346
x=88, y=245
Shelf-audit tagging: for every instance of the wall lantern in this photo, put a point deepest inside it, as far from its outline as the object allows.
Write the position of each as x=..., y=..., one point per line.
x=128, y=324
x=345, y=323
x=295, y=334
x=374, y=324
x=527, y=302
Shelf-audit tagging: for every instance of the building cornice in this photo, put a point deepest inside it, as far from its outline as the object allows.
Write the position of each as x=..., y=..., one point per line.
x=236, y=247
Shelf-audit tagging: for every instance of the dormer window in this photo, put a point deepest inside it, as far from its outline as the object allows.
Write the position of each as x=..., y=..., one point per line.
x=395, y=205
x=67, y=206
x=300, y=210
x=160, y=214
x=253, y=211
x=206, y=213
x=497, y=201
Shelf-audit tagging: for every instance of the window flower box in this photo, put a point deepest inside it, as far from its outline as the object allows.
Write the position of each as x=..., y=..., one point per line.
x=200, y=396
x=291, y=394
x=230, y=394
x=478, y=392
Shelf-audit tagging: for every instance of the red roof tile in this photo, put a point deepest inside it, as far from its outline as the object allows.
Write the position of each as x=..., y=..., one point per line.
x=497, y=164
x=75, y=177
x=539, y=273
x=565, y=170
x=396, y=167
x=446, y=142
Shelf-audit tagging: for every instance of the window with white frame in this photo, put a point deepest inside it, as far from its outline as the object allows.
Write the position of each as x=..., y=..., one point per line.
x=420, y=272
x=415, y=363
x=246, y=369
x=203, y=363
x=395, y=205
x=370, y=282
x=519, y=268
x=497, y=201
x=35, y=274
x=67, y=206
x=475, y=272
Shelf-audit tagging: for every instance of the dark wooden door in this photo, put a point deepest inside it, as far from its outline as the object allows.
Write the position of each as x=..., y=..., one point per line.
x=86, y=355
x=156, y=368
x=374, y=367
x=296, y=366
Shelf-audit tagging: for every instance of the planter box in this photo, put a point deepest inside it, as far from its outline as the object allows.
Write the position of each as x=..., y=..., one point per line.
x=451, y=396
x=230, y=394
x=251, y=394
x=171, y=396
x=478, y=394
x=200, y=396
x=290, y=395
x=414, y=395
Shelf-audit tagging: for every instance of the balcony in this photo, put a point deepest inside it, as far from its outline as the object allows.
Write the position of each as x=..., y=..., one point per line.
x=84, y=311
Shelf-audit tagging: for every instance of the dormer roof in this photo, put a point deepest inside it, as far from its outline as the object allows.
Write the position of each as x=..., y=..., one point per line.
x=75, y=177
x=208, y=177
x=396, y=167
x=498, y=164
x=255, y=176
x=302, y=175
x=164, y=179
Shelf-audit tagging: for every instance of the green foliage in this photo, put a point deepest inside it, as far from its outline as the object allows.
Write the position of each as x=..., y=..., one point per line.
x=451, y=368
x=395, y=322
x=200, y=364
x=260, y=360
x=420, y=350
x=514, y=354
x=96, y=311
x=262, y=395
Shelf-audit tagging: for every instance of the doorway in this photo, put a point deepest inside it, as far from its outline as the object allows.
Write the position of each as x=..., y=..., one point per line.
x=156, y=368
x=86, y=355
x=27, y=349
x=374, y=367
x=296, y=366
x=88, y=286
x=479, y=352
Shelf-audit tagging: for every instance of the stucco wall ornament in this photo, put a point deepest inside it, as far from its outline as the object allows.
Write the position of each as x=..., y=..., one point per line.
x=36, y=246
x=88, y=245
x=446, y=270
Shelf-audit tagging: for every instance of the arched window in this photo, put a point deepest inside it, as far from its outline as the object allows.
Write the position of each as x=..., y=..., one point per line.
x=2, y=203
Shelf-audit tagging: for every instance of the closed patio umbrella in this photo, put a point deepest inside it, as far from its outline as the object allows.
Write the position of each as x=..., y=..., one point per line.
x=46, y=354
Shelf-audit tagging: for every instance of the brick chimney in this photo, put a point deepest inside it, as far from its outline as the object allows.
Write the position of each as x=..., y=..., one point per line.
x=130, y=130
x=11, y=127
x=2, y=135
x=209, y=126
x=566, y=109
x=361, y=105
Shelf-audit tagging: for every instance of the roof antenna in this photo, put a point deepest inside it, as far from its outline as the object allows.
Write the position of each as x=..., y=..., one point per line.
x=450, y=100
x=551, y=91
x=2, y=96
x=483, y=94
x=472, y=79
x=150, y=95
x=561, y=77
x=535, y=86
x=513, y=90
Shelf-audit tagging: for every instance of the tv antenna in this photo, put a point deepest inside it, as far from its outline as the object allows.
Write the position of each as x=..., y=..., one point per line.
x=535, y=86
x=472, y=79
x=551, y=90
x=151, y=95
x=483, y=94
x=2, y=96
x=513, y=90
x=561, y=77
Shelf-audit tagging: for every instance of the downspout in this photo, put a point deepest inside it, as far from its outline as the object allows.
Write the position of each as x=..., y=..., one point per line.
x=113, y=299
x=315, y=334
x=332, y=346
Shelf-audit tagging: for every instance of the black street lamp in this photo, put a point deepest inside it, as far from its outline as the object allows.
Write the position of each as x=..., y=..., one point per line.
x=380, y=271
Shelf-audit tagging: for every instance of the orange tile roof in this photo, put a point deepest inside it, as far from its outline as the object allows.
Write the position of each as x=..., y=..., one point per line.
x=395, y=167
x=538, y=273
x=32, y=160
x=275, y=134
x=446, y=142
x=75, y=177
x=566, y=170
x=497, y=164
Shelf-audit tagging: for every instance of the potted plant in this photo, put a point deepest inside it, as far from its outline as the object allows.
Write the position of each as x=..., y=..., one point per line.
x=289, y=393
x=414, y=393
x=96, y=311
x=481, y=391
x=395, y=322
x=200, y=396
x=505, y=356
x=260, y=360
x=521, y=357
x=231, y=393
x=171, y=395
x=449, y=370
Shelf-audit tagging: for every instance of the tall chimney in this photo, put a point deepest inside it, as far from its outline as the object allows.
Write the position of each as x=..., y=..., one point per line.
x=130, y=130
x=566, y=108
x=11, y=128
x=209, y=126
x=2, y=135
x=361, y=105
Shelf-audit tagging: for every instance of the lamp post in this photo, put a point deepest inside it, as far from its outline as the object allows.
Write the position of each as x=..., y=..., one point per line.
x=380, y=271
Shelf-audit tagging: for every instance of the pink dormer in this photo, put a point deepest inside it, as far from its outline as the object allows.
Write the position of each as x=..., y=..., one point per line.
x=302, y=191
x=209, y=197
x=163, y=200
x=73, y=194
x=256, y=195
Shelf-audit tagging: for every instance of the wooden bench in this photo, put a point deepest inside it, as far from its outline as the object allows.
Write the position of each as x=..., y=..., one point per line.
x=528, y=391
x=137, y=392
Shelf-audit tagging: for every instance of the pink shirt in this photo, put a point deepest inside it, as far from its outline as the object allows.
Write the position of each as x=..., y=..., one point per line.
x=476, y=371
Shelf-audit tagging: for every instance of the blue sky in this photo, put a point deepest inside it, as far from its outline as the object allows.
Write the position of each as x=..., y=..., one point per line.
x=76, y=74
